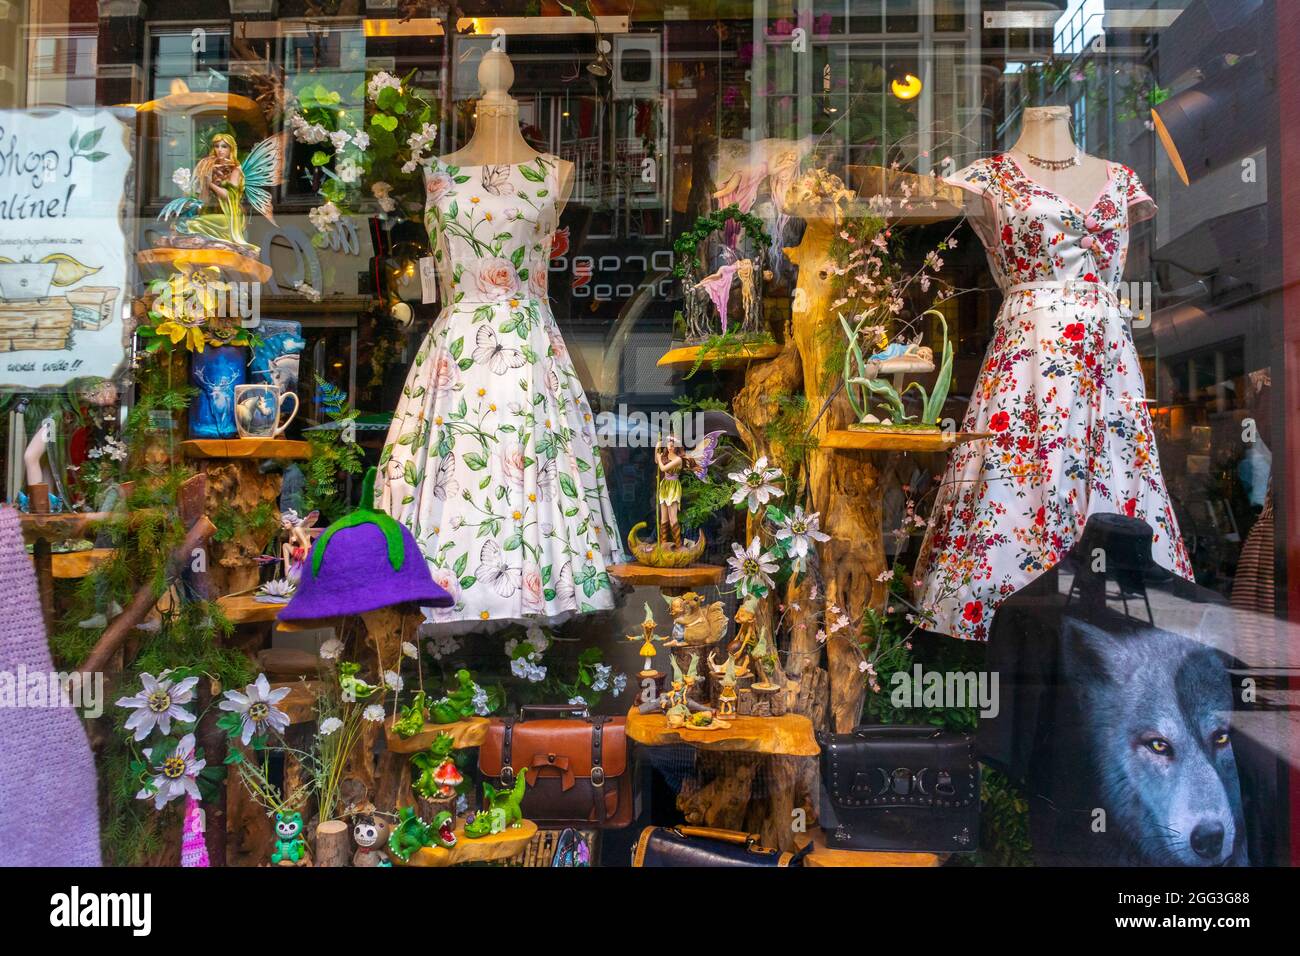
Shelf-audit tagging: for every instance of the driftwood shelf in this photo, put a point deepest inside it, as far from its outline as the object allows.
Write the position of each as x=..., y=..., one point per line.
x=790, y=735
x=464, y=734
x=853, y=440
x=233, y=266
x=59, y=527
x=489, y=849
x=820, y=856
x=78, y=564
x=692, y=576
x=245, y=609
x=688, y=355
x=258, y=448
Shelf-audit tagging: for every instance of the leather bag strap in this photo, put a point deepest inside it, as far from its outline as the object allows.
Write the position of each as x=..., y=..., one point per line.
x=597, y=768
x=507, y=741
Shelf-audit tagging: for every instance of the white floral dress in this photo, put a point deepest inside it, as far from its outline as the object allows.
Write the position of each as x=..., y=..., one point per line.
x=1060, y=390
x=491, y=459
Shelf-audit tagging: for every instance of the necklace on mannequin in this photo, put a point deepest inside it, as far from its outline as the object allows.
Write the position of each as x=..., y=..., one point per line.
x=1055, y=165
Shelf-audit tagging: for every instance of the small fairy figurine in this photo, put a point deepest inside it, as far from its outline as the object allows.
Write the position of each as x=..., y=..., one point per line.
x=647, y=636
x=213, y=206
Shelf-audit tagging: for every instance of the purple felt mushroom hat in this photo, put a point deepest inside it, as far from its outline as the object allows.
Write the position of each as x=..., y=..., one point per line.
x=363, y=562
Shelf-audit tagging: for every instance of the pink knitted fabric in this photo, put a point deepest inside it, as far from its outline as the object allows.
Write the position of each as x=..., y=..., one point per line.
x=49, y=814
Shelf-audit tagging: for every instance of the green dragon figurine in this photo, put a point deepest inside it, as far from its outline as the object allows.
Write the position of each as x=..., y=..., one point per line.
x=412, y=720
x=353, y=687
x=412, y=833
x=290, y=847
x=501, y=809
x=457, y=705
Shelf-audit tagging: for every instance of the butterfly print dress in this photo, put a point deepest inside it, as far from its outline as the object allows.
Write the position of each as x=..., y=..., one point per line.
x=491, y=459
x=1060, y=391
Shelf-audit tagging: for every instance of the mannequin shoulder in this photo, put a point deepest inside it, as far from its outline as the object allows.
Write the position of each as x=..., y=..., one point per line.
x=564, y=175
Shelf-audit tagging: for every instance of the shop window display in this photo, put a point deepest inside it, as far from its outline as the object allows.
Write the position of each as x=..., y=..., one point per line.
x=817, y=434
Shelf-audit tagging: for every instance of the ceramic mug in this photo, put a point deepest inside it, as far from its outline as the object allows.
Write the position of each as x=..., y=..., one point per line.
x=258, y=408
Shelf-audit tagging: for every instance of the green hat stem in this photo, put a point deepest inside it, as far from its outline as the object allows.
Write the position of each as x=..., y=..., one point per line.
x=365, y=514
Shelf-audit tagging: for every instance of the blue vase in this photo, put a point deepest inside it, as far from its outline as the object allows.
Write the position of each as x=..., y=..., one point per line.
x=277, y=355
x=215, y=372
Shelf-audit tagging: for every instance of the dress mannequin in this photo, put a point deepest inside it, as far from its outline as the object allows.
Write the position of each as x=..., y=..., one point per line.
x=496, y=139
x=1045, y=135
x=1055, y=225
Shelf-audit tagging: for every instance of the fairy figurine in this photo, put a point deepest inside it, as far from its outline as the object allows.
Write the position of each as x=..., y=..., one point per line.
x=670, y=459
x=213, y=207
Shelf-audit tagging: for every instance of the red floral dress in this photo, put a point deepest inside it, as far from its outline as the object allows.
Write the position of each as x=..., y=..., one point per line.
x=1062, y=393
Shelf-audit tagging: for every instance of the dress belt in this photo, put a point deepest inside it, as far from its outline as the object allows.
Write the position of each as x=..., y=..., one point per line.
x=1099, y=288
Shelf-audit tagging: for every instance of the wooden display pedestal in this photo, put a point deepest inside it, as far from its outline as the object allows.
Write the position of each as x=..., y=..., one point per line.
x=235, y=480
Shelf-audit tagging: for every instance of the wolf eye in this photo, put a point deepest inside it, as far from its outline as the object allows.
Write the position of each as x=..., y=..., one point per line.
x=1158, y=745
x=1221, y=739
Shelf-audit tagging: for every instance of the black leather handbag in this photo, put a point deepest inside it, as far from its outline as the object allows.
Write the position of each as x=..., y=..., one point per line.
x=706, y=846
x=897, y=788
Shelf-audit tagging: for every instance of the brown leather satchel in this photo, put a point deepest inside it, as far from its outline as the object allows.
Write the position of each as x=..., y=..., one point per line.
x=576, y=766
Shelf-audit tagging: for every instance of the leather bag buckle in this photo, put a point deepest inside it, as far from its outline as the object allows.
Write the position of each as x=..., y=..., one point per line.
x=598, y=776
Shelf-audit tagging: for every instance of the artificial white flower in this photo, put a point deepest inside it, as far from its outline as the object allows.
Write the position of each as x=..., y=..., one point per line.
x=393, y=680
x=158, y=704
x=331, y=649
x=380, y=81
x=373, y=713
x=361, y=140
x=480, y=701
x=182, y=178
x=522, y=667
x=329, y=725
x=750, y=568
x=755, y=484
x=257, y=707
x=339, y=138
x=177, y=775
x=324, y=216
x=349, y=170
x=441, y=645
x=537, y=637
x=620, y=684
x=410, y=650
x=801, y=530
